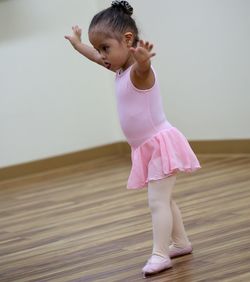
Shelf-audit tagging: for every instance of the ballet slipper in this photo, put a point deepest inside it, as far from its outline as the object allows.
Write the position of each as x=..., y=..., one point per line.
x=175, y=252
x=155, y=267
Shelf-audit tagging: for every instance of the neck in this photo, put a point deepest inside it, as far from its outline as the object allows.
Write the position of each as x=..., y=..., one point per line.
x=128, y=63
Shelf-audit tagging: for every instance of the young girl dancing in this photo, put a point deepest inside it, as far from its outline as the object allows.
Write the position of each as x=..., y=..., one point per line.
x=159, y=150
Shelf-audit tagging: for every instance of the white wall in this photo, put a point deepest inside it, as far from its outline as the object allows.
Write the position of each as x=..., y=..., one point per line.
x=203, y=63
x=54, y=102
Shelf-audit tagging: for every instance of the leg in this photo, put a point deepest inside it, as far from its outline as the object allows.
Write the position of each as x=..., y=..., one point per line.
x=180, y=243
x=179, y=235
x=159, y=197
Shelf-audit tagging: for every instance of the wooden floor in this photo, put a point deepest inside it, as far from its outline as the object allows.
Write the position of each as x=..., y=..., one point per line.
x=81, y=224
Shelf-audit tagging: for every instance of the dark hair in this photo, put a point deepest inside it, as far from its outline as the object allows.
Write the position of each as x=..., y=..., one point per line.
x=117, y=18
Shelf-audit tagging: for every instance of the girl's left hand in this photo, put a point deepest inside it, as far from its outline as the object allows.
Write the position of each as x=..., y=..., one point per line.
x=142, y=53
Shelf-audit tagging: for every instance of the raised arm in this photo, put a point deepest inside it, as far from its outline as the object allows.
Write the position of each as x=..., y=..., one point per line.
x=142, y=75
x=84, y=49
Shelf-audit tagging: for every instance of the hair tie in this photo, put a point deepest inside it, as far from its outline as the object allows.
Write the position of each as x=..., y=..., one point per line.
x=123, y=4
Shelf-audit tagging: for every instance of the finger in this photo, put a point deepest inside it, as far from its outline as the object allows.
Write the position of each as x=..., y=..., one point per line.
x=132, y=49
x=141, y=43
x=76, y=30
x=152, y=55
x=151, y=46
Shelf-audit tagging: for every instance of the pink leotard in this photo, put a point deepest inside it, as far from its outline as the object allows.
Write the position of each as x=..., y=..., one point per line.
x=140, y=111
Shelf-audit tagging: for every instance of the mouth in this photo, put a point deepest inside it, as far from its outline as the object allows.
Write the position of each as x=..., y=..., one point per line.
x=107, y=65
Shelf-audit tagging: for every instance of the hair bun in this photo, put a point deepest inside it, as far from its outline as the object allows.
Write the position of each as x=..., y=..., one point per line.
x=127, y=8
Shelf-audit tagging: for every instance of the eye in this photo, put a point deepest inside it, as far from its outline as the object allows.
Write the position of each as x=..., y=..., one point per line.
x=105, y=48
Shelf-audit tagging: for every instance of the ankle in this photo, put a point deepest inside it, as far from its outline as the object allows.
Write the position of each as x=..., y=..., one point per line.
x=180, y=245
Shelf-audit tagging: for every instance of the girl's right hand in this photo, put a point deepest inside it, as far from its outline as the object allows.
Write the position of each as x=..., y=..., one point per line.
x=76, y=37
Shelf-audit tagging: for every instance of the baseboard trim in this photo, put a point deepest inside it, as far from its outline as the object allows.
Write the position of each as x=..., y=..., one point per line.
x=119, y=148
x=241, y=146
x=40, y=166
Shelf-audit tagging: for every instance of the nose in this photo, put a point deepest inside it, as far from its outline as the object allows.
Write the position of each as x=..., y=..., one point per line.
x=103, y=57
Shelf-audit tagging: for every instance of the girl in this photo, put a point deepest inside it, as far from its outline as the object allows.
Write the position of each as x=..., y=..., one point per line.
x=159, y=150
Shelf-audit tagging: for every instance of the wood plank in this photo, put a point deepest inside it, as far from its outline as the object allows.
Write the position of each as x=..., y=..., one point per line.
x=80, y=223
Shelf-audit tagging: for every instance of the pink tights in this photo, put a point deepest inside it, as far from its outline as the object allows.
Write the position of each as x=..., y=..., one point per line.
x=166, y=217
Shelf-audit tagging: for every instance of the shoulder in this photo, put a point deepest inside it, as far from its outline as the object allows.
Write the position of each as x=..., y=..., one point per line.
x=143, y=80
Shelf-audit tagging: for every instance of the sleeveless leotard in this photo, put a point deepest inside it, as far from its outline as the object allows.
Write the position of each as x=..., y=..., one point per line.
x=158, y=149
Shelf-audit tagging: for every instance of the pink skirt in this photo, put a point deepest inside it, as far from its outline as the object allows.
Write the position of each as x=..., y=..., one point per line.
x=163, y=155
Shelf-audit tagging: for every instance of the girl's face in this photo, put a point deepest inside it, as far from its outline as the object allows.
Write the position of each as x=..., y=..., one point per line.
x=115, y=54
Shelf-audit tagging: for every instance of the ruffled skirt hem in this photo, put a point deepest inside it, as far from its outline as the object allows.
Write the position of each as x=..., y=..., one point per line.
x=161, y=156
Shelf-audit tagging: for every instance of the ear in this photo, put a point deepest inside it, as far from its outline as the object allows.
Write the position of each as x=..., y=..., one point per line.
x=129, y=38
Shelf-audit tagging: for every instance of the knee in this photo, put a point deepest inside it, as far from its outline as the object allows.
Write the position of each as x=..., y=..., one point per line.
x=156, y=203
x=153, y=203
